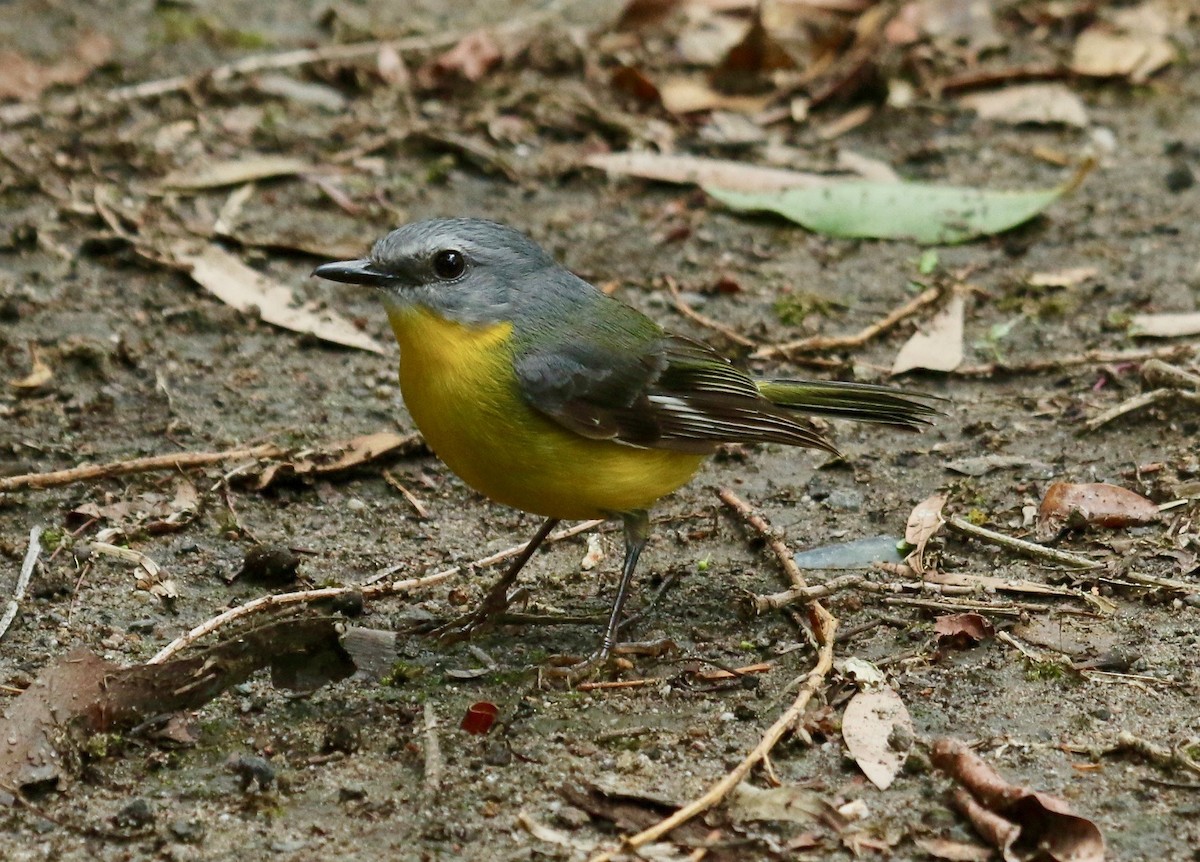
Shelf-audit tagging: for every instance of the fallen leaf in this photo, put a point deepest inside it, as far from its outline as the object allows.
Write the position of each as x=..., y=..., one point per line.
x=924, y=522
x=1023, y=824
x=932, y=215
x=981, y=465
x=703, y=171
x=237, y=285
x=954, y=851
x=639, y=14
x=878, y=733
x=234, y=172
x=1102, y=53
x=1067, y=505
x=954, y=22
x=40, y=374
x=470, y=60
x=748, y=64
x=857, y=554
x=1069, y=277
x=939, y=345
x=789, y=804
x=24, y=79
x=342, y=455
x=633, y=83
x=1166, y=325
x=963, y=630
x=687, y=95
x=1046, y=104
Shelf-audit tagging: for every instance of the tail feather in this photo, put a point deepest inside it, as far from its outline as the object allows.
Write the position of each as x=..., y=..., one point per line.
x=862, y=402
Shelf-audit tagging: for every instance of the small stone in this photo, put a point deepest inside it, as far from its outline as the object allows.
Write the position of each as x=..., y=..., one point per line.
x=137, y=812
x=845, y=500
x=252, y=770
x=352, y=793
x=189, y=831
x=1179, y=178
x=143, y=626
x=572, y=817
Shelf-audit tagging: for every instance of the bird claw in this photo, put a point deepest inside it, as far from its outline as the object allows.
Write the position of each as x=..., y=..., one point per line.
x=483, y=617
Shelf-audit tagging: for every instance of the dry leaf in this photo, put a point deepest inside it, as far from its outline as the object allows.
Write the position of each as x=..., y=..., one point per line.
x=24, y=79
x=234, y=172
x=687, y=95
x=966, y=629
x=391, y=67
x=939, y=345
x=39, y=375
x=342, y=455
x=954, y=851
x=737, y=176
x=789, y=803
x=1166, y=325
x=1066, y=505
x=1023, y=824
x=474, y=56
x=1100, y=52
x=878, y=732
x=1029, y=103
x=1069, y=277
x=923, y=524
x=237, y=285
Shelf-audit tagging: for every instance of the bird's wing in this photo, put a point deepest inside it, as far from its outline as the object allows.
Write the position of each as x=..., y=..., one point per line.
x=630, y=382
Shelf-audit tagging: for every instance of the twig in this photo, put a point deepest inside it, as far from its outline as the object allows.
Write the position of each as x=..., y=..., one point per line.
x=703, y=319
x=27, y=566
x=815, y=343
x=13, y=114
x=369, y=592
x=824, y=628
x=433, y=753
x=1141, y=402
x=178, y=461
x=1090, y=357
x=408, y=495
x=1028, y=549
x=776, y=544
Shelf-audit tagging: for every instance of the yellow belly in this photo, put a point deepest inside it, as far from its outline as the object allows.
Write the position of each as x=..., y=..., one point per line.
x=459, y=386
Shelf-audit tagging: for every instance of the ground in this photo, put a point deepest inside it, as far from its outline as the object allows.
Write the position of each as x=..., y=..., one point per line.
x=146, y=363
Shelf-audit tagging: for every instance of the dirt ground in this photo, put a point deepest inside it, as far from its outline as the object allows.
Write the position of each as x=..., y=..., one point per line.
x=144, y=362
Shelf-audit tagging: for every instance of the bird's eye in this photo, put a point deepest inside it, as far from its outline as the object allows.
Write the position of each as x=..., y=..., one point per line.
x=449, y=264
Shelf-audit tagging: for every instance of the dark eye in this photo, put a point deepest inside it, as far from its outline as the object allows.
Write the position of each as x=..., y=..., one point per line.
x=448, y=264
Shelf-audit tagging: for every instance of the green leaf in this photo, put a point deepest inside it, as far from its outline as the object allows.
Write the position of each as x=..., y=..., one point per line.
x=932, y=215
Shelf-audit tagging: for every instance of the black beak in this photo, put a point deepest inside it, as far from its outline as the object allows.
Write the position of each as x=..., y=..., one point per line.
x=354, y=272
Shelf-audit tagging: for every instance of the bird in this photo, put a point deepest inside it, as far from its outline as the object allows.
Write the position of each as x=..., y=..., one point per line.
x=545, y=394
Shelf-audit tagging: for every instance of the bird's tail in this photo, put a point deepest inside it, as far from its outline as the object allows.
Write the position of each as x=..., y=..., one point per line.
x=862, y=402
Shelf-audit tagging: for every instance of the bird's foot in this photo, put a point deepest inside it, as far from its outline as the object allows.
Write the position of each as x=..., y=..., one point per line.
x=462, y=628
x=573, y=670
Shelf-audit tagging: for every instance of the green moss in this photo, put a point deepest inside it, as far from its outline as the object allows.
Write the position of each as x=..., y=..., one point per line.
x=793, y=308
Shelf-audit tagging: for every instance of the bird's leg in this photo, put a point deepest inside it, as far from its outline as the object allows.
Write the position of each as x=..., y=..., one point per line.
x=496, y=601
x=637, y=531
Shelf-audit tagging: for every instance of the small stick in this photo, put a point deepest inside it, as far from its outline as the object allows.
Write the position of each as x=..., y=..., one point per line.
x=1090, y=357
x=27, y=566
x=1137, y=402
x=703, y=319
x=782, y=554
x=433, y=753
x=815, y=343
x=408, y=495
x=178, y=461
x=1028, y=549
x=368, y=592
x=824, y=629
x=826, y=626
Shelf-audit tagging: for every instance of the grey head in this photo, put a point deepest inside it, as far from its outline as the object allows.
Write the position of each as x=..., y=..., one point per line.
x=471, y=271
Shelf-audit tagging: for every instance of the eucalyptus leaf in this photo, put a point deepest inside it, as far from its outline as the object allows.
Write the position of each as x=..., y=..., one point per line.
x=932, y=215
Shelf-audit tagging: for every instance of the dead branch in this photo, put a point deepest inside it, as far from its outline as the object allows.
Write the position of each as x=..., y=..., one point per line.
x=176, y=461
x=368, y=592
x=703, y=319
x=1090, y=357
x=815, y=343
x=1020, y=546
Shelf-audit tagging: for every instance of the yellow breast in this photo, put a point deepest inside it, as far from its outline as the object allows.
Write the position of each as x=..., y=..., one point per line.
x=459, y=385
